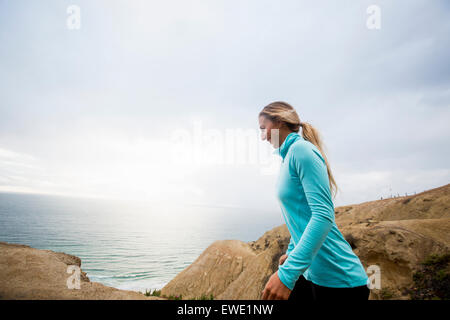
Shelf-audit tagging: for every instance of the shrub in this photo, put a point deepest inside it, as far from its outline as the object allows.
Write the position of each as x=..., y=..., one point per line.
x=386, y=294
x=432, y=279
x=155, y=293
x=205, y=297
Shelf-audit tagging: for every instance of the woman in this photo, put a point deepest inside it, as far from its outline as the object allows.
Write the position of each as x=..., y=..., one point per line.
x=319, y=264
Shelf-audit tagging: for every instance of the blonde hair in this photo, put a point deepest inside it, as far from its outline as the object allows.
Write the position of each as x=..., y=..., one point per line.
x=284, y=113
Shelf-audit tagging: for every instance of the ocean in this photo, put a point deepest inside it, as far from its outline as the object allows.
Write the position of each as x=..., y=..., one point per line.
x=124, y=244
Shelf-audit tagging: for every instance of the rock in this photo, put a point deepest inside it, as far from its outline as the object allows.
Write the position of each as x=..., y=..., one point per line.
x=214, y=270
x=231, y=269
x=401, y=208
x=398, y=248
x=395, y=234
x=28, y=273
x=253, y=278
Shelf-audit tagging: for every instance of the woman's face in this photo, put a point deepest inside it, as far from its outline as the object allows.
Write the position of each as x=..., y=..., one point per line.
x=266, y=127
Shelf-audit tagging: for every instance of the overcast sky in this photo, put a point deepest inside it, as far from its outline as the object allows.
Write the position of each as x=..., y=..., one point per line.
x=116, y=108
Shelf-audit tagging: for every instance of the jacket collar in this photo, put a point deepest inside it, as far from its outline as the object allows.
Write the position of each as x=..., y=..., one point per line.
x=290, y=139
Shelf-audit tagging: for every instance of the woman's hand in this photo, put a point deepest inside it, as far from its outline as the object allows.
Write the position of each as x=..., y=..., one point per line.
x=275, y=289
x=282, y=259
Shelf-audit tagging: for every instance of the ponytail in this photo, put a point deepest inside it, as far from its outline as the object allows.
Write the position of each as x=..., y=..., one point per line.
x=312, y=135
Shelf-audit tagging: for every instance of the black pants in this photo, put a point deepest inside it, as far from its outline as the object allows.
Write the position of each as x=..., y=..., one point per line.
x=306, y=290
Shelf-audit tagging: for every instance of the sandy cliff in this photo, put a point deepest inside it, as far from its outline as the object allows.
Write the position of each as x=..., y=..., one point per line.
x=396, y=234
x=28, y=273
x=231, y=269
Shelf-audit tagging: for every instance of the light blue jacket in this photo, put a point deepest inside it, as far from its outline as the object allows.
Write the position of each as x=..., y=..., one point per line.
x=317, y=248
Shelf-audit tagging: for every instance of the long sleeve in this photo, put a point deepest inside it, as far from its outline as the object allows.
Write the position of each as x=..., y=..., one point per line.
x=290, y=246
x=312, y=172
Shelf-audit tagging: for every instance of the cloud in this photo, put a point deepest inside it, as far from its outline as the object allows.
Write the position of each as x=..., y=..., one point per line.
x=95, y=109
